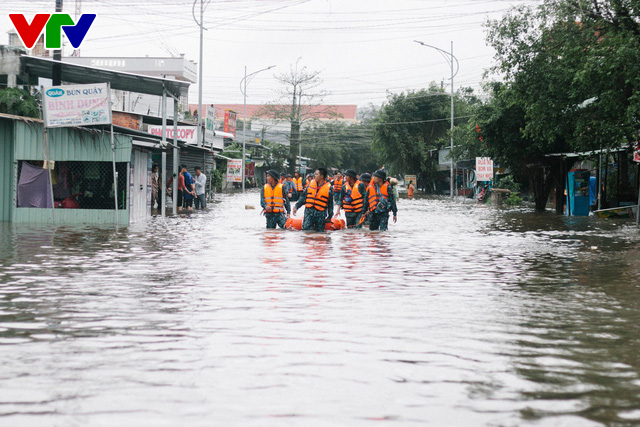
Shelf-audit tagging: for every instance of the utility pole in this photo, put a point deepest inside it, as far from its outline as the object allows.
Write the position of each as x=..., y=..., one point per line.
x=57, y=56
x=450, y=60
x=451, y=150
x=201, y=24
x=78, y=14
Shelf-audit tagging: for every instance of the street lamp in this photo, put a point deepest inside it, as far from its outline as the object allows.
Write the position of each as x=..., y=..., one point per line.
x=450, y=61
x=243, y=89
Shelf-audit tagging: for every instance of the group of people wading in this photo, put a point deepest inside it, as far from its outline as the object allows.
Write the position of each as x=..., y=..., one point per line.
x=365, y=199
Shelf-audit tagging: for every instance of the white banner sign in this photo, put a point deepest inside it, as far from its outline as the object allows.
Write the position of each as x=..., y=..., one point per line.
x=77, y=105
x=484, y=169
x=210, y=127
x=188, y=134
x=234, y=170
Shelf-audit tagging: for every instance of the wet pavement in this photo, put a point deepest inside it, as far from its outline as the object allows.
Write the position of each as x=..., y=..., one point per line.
x=458, y=315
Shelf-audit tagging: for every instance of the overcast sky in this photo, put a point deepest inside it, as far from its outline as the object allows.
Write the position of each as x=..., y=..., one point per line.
x=363, y=48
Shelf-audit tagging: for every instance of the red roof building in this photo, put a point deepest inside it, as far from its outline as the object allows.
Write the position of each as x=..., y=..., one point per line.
x=343, y=112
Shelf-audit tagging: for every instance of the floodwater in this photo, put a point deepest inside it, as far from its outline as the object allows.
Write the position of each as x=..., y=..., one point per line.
x=459, y=315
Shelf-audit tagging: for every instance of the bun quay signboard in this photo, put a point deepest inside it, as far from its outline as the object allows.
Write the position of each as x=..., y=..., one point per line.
x=77, y=105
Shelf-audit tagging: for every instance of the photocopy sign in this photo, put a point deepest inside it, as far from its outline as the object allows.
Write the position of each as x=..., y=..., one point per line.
x=484, y=169
x=77, y=105
x=187, y=134
x=234, y=170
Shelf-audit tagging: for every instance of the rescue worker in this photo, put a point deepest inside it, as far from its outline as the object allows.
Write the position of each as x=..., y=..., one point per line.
x=410, y=189
x=380, y=200
x=290, y=189
x=351, y=199
x=337, y=186
x=318, y=201
x=298, y=181
x=308, y=181
x=366, y=180
x=274, y=201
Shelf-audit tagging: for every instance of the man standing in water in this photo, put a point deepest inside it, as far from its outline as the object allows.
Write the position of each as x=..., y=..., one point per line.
x=379, y=202
x=318, y=202
x=351, y=199
x=200, y=184
x=274, y=201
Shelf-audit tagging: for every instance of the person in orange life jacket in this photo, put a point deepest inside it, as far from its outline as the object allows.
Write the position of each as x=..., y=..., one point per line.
x=297, y=179
x=307, y=182
x=379, y=201
x=337, y=183
x=318, y=201
x=290, y=188
x=274, y=201
x=351, y=198
x=410, y=189
x=365, y=177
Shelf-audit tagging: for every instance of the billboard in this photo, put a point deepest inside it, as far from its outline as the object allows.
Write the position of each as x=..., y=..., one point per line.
x=210, y=126
x=230, y=122
x=76, y=105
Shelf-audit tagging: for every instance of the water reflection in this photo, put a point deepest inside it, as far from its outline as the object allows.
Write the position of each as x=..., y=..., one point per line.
x=459, y=315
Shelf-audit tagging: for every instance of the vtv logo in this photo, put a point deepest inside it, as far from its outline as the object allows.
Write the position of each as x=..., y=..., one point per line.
x=54, y=22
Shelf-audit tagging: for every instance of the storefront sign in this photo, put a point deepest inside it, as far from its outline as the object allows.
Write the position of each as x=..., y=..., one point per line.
x=77, y=105
x=188, y=134
x=636, y=154
x=230, y=122
x=234, y=170
x=484, y=169
x=410, y=178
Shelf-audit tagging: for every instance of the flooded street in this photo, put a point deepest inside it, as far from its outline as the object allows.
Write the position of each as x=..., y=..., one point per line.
x=459, y=315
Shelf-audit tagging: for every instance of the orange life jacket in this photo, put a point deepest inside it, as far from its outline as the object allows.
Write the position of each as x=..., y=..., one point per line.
x=357, y=199
x=317, y=197
x=273, y=197
x=307, y=182
x=410, y=190
x=337, y=185
x=298, y=182
x=373, y=194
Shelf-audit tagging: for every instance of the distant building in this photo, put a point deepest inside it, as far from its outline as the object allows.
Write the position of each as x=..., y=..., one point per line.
x=259, y=124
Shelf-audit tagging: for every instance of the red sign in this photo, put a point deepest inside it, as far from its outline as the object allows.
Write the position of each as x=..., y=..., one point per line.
x=250, y=169
x=636, y=154
x=230, y=122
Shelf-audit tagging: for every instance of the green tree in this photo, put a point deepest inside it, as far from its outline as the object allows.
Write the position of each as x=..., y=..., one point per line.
x=19, y=102
x=571, y=72
x=276, y=156
x=408, y=126
x=340, y=145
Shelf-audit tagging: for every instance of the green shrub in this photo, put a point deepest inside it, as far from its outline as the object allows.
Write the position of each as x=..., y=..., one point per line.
x=513, y=200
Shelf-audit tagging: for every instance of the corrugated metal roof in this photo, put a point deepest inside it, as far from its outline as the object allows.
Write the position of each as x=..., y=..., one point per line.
x=82, y=74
